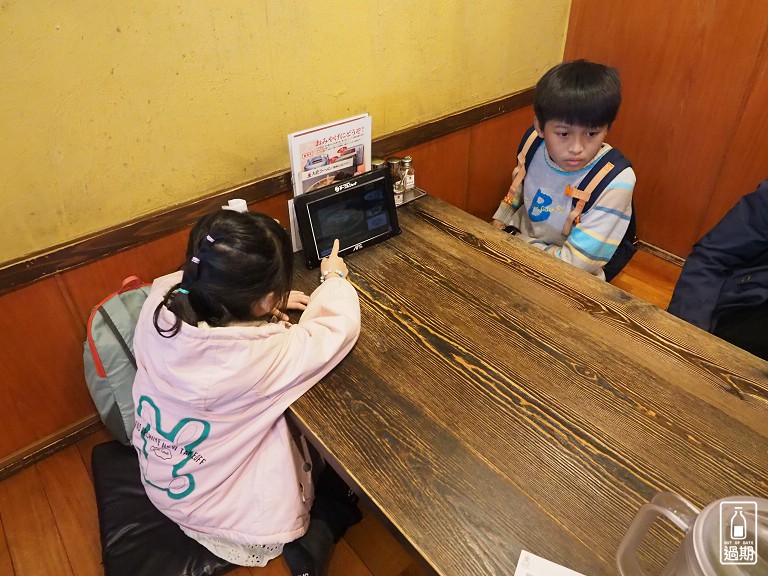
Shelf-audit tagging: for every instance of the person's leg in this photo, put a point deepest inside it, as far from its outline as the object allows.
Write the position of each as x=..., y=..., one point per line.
x=333, y=511
x=746, y=328
x=308, y=555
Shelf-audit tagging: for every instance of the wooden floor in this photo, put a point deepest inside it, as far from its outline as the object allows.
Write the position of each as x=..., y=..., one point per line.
x=649, y=278
x=48, y=522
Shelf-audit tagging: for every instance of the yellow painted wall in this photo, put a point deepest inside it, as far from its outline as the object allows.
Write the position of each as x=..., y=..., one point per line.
x=110, y=110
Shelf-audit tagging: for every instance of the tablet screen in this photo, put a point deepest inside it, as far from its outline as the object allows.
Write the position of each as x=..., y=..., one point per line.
x=350, y=218
x=359, y=211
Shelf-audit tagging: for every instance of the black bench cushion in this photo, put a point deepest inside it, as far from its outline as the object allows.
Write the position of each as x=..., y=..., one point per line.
x=136, y=538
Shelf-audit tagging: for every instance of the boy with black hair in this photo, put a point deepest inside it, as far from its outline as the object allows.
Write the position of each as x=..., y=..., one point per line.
x=575, y=104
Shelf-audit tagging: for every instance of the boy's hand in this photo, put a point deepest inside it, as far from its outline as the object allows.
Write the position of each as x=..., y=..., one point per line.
x=498, y=224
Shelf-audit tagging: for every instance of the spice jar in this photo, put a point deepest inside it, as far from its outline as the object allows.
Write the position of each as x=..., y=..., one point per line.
x=394, y=168
x=407, y=173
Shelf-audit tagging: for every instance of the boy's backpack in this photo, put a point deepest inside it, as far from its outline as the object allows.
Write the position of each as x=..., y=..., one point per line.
x=110, y=366
x=608, y=166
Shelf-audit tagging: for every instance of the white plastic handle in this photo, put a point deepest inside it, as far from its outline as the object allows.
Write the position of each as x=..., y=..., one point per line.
x=236, y=205
x=678, y=510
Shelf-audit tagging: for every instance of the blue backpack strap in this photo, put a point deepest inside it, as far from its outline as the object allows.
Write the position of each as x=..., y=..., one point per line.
x=619, y=162
x=624, y=251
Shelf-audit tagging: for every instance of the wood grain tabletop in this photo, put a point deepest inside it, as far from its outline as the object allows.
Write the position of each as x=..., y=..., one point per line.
x=499, y=400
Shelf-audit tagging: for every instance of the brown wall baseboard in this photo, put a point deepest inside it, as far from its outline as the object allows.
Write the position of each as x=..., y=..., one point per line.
x=23, y=271
x=48, y=445
x=663, y=254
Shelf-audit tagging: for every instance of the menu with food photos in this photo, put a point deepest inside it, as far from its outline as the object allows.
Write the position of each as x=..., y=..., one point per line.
x=329, y=153
x=326, y=154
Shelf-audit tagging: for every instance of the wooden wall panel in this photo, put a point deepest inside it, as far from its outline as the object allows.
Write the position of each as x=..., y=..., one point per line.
x=492, y=157
x=89, y=284
x=746, y=158
x=687, y=69
x=442, y=166
x=162, y=256
x=41, y=369
x=277, y=207
x=6, y=563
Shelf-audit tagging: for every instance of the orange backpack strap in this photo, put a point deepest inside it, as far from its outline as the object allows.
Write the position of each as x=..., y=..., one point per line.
x=131, y=283
x=583, y=196
x=528, y=146
x=605, y=170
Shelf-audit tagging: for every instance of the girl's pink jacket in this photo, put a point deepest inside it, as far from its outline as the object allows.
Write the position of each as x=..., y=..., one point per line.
x=215, y=450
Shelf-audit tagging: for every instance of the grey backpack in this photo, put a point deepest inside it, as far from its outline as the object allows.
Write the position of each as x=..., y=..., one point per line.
x=110, y=366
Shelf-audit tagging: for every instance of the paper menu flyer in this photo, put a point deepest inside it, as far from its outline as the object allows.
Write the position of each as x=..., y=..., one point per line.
x=295, y=238
x=531, y=565
x=330, y=152
x=324, y=154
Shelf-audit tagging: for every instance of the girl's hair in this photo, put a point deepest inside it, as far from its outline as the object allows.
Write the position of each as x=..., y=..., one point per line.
x=233, y=260
x=579, y=93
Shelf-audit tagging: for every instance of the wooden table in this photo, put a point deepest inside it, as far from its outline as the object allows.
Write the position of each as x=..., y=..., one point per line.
x=499, y=400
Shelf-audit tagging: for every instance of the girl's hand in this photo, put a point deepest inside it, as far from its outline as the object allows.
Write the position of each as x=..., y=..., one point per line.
x=297, y=300
x=333, y=261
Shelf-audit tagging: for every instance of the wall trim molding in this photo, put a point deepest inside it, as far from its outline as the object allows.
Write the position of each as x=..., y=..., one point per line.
x=22, y=271
x=46, y=446
x=660, y=253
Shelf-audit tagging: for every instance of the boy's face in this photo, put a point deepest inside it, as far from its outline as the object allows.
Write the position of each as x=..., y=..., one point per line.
x=571, y=146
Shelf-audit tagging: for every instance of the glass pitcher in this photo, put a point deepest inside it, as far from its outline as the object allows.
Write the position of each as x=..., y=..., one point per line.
x=728, y=538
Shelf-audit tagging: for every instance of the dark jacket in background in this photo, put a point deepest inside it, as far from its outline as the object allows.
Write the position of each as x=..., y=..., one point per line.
x=728, y=268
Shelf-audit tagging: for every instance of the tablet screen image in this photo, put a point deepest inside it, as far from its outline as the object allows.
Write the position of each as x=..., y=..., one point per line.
x=359, y=211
